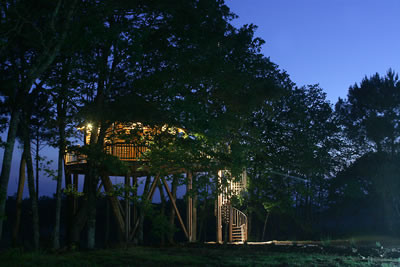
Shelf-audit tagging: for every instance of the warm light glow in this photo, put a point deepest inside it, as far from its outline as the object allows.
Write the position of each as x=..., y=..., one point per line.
x=89, y=126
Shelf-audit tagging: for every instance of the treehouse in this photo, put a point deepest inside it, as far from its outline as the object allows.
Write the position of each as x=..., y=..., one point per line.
x=130, y=143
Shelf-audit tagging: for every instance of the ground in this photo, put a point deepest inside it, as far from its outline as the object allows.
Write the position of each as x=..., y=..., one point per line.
x=351, y=252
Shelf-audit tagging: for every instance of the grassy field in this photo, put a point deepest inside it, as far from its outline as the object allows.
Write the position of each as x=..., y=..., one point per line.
x=198, y=255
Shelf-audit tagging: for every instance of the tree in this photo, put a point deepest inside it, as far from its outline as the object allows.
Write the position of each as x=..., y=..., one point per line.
x=294, y=136
x=63, y=98
x=370, y=115
x=160, y=65
x=370, y=118
x=32, y=36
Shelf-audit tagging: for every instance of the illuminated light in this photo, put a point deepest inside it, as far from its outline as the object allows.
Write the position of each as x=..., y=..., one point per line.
x=89, y=126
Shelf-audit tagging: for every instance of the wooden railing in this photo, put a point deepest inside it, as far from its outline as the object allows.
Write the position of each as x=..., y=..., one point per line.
x=128, y=152
x=239, y=220
x=125, y=152
x=74, y=158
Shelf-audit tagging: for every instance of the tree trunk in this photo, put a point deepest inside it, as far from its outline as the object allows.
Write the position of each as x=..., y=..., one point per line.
x=265, y=226
x=96, y=143
x=80, y=218
x=91, y=223
x=21, y=183
x=56, y=237
x=250, y=224
x=6, y=166
x=37, y=161
x=61, y=148
x=79, y=222
x=31, y=186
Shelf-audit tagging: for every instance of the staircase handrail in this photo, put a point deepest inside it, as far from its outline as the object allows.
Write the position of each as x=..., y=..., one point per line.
x=239, y=219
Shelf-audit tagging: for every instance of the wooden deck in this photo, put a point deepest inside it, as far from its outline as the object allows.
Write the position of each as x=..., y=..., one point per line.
x=123, y=151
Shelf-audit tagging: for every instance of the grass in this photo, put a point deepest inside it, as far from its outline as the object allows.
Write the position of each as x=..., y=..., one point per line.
x=185, y=256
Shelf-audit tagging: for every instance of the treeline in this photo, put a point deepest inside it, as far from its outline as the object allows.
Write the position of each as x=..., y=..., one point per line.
x=181, y=63
x=347, y=155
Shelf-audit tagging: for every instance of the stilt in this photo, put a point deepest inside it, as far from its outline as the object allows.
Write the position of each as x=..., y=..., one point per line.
x=135, y=194
x=194, y=218
x=127, y=208
x=189, y=207
x=75, y=197
x=175, y=207
x=218, y=209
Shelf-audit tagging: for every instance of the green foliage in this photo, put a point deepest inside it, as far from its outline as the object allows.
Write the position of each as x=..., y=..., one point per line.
x=369, y=115
x=295, y=135
x=70, y=190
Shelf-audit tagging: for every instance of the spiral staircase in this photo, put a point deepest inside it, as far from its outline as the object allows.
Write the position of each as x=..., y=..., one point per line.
x=231, y=217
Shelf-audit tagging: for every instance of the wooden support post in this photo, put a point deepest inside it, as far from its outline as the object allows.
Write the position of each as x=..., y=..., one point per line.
x=127, y=208
x=75, y=197
x=189, y=206
x=218, y=209
x=135, y=194
x=194, y=219
x=175, y=207
x=230, y=223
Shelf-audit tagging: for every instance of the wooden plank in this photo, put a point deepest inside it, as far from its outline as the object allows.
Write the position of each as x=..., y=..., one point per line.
x=175, y=207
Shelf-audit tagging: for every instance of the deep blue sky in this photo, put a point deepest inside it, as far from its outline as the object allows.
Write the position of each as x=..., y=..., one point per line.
x=331, y=42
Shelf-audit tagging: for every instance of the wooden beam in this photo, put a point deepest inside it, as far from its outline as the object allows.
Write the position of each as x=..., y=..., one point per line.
x=114, y=203
x=149, y=197
x=175, y=207
x=153, y=188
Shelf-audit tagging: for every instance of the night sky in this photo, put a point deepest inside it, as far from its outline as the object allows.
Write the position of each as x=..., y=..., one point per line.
x=333, y=43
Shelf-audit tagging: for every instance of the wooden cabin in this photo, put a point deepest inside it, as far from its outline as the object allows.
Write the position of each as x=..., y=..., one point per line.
x=129, y=142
